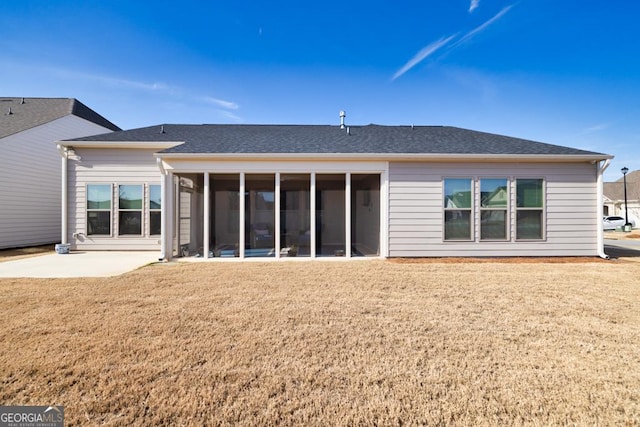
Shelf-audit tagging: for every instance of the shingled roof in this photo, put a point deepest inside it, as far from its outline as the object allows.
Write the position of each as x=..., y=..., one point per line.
x=615, y=190
x=19, y=114
x=325, y=139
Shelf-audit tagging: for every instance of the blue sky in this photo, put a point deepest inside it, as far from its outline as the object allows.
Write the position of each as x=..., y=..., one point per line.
x=563, y=72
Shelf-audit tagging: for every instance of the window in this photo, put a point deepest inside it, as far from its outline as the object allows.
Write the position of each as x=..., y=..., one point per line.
x=155, y=210
x=457, y=208
x=494, y=201
x=129, y=210
x=529, y=209
x=99, y=209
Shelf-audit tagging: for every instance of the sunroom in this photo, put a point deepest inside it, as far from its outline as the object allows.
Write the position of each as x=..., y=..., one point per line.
x=261, y=213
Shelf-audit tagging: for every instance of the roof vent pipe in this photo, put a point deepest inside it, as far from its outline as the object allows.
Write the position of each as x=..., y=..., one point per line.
x=22, y=101
x=162, y=129
x=342, y=116
x=9, y=112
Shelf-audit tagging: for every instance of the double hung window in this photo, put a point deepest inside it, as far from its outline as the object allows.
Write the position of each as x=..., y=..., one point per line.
x=99, y=209
x=130, y=210
x=458, y=196
x=494, y=202
x=155, y=210
x=529, y=209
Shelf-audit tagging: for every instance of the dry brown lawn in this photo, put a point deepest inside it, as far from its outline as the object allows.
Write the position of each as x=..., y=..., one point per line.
x=17, y=253
x=329, y=343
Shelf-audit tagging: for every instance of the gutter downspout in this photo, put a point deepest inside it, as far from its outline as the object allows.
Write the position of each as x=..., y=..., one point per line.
x=600, y=196
x=64, y=153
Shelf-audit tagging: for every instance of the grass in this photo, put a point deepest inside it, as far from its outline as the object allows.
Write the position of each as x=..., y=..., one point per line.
x=321, y=343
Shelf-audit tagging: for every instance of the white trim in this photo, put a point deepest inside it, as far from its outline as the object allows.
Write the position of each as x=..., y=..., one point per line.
x=360, y=157
x=312, y=219
x=269, y=166
x=601, y=167
x=65, y=201
x=207, y=214
x=242, y=233
x=347, y=214
x=160, y=145
x=384, y=213
x=276, y=208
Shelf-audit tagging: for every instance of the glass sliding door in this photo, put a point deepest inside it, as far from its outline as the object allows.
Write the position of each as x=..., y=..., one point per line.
x=330, y=215
x=259, y=215
x=224, y=238
x=295, y=215
x=365, y=214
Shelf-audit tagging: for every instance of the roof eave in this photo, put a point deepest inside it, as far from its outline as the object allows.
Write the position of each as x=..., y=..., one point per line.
x=437, y=157
x=157, y=145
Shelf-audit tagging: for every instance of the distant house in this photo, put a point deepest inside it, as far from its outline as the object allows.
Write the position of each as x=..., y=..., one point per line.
x=614, y=198
x=30, y=166
x=274, y=191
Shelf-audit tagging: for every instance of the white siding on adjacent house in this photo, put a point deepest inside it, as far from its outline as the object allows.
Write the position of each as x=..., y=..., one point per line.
x=100, y=166
x=416, y=209
x=30, y=173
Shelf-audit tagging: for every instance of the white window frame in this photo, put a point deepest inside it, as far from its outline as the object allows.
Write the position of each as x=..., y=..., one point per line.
x=542, y=209
x=110, y=210
x=471, y=209
x=506, y=209
x=141, y=210
x=149, y=210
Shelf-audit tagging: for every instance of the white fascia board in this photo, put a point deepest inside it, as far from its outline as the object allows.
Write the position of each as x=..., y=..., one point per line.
x=159, y=145
x=500, y=158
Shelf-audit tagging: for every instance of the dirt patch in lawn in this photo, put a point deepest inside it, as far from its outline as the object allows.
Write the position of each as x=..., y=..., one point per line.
x=17, y=253
x=322, y=343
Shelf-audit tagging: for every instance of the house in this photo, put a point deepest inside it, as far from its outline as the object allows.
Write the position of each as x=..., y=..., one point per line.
x=242, y=191
x=30, y=165
x=614, y=198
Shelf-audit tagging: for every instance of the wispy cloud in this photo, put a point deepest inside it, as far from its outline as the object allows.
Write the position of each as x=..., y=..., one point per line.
x=112, y=81
x=221, y=103
x=483, y=27
x=174, y=93
x=423, y=54
x=435, y=46
x=229, y=115
x=596, y=128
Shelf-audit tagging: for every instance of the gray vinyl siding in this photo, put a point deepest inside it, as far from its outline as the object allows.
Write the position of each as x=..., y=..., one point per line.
x=110, y=166
x=416, y=210
x=30, y=173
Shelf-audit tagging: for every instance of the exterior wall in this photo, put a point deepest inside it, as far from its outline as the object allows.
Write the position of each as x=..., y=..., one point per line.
x=30, y=174
x=114, y=166
x=416, y=210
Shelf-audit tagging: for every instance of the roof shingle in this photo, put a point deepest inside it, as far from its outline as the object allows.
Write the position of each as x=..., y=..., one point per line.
x=19, y=114
x=325, y=139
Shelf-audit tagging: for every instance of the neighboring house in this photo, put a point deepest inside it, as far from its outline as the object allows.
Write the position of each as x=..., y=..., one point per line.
x=614, y=198
x=326, y=191
x=30, y=166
